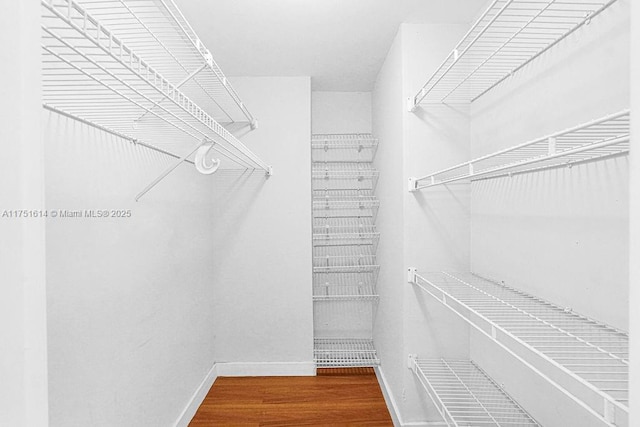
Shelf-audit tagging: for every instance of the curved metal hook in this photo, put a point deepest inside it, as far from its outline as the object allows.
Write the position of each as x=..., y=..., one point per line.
x=201, y=160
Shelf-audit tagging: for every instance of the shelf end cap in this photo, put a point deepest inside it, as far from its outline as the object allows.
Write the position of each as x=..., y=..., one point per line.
x=411, y=274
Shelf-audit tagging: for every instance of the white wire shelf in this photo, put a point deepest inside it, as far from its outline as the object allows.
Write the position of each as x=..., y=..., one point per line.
x=603, y=138
x=344, y=232
x=158, y=32
x=353, y=193
x=466, y=396
x=332, y=292
x=92, y=75
x=344, y=176
x=352, y=207
x=509, y=35
x=343, y=147
x=589, y=356
x=347, y=352
x=329, y=278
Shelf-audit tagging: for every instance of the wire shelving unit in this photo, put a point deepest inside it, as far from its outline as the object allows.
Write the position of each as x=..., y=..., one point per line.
x=344, y=246
x=599, y=139
x=343, y=147
x=588, y=357
x=137, y=80
x=344, y=352
x=466, y=396
x=509, y=35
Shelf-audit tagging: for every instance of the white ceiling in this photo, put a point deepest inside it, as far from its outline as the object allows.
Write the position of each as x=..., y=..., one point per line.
x=341, y=44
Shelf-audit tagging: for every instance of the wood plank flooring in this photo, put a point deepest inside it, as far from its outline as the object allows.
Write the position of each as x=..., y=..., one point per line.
x=336, y=397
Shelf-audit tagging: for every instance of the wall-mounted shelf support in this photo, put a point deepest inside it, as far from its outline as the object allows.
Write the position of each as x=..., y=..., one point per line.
x=170, y=169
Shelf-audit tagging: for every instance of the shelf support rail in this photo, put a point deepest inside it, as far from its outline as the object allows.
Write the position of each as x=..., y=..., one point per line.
x=607, y=413
x=552, y=153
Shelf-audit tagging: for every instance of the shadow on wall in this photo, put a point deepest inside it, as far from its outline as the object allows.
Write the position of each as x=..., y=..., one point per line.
x=439, y=118
x=234, y=191
x=445, y=207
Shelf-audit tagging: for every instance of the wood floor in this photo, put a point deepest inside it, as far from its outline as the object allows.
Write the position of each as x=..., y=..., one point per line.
x=336, y=397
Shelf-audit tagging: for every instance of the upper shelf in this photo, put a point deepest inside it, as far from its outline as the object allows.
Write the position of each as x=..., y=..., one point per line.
x=508, y=35
x=108, y=78
x=603, y=138
x=158, y=32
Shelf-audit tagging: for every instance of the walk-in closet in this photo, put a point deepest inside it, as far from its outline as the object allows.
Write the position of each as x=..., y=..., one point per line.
x=320, y=213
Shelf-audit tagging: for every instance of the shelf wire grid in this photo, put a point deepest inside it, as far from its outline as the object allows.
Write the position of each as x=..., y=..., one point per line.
x=158, y=31
x=603, y=138
x=345, y=352
x=466, y=396
x=345, y=207
x=344, y=232
x=343, y=194
x=333, y=292
x=509, y=35
x=89, y=74
x=343, y=147
x=344, y=176
x=590, y=350
x=328, y=278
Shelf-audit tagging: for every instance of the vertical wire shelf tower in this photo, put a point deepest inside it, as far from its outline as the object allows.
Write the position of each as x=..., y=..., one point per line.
x=345, y=239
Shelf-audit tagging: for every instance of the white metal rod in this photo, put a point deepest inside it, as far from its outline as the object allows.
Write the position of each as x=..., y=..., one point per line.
x=534, y=160
x=583, y=126
x=213, y=66
x=168, y=171
x=164, y=96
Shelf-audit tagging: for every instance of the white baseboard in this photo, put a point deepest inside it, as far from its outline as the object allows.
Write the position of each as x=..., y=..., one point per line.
x=266, y=369
x=393, y=406
x=388, y=397
x=198, y=397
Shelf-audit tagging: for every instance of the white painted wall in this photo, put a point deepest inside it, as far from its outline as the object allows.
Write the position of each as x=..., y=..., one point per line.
x=429, y=231
x=207, y=269
x=23, y=344
x=634, y=217
x=436, y=221
x=341, y=112
x=560, y=234
x=129, y=299
x=262, y=309
x=387, y=127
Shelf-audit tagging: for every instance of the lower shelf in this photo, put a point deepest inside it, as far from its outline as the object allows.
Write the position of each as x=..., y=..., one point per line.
x=466, y=396
x=583, y=358
x=344, y=352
